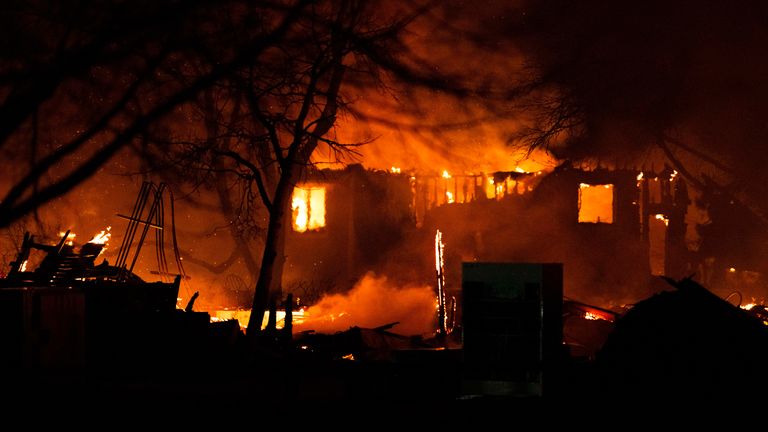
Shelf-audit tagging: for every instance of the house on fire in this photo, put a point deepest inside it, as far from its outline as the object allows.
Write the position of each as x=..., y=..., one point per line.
x=611, y=228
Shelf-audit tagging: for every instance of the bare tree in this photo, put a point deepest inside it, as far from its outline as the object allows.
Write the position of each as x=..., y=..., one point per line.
x=90, y=78
x=264, y=124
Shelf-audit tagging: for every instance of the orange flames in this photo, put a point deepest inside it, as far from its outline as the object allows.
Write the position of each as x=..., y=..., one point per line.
x=595, y=203
x=101, y=238
x=308, y=206
x=243, y=315
x=70, y=237
x=661, y=217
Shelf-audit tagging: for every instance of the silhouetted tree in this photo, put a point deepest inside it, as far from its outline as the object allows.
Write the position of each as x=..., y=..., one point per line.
x=88, y=78
x=264, y=124
x=620, y=81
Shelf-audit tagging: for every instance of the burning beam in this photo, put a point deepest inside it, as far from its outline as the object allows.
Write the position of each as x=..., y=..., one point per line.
x=308, y=206
x=440, y=272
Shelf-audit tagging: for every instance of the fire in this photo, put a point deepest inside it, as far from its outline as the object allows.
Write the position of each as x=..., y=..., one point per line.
x=395, y=170
x=595, y=203
x=520, y=170
x=242, y=316
x=101, y=238
x=308, y=206
x=592, y=317
x=661, y=217
x=70, y=237
x=449, y=197
x=446, y=174
x=732, y=270
x=748, y=306
x=23, y=266
x=640, y=176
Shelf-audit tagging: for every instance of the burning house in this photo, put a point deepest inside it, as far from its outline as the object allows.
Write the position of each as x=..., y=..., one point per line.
x=612, y=229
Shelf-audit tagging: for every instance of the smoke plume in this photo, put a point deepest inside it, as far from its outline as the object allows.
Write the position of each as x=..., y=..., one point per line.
x=373, y=302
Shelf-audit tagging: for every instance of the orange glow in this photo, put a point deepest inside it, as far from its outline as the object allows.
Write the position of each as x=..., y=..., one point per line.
x=308, y=207
x=748, y=306
x=395, y=170
x=70, y=238
x=23, y=266
x=101, y=238
x=595, y=203
x=373, y=301
x=446, y=174
x=242, y=316
x=661, y=217
x=449, y=197
x=592, y=317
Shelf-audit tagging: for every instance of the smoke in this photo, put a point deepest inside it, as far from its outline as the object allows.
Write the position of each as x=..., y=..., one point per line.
x=375, y=301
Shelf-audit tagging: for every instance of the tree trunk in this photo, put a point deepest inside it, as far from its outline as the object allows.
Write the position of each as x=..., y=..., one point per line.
x=274, y=247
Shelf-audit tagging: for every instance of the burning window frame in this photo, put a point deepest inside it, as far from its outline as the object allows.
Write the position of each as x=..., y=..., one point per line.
x=582, y=219
x=313, y=222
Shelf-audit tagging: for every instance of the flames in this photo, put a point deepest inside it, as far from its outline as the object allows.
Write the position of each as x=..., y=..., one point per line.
x=662, y=217
x=595, y=203
x=308, y=207
x=70, y=237
x=101, y=238
x=243, y=315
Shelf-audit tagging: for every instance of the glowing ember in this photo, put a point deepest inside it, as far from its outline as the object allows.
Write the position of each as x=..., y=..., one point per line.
x=102, y=238
x=395, y=170
x=446, y=174
x=673, y=175
x=640, y=176
x=748, y=306
x=592, y=317
x=23, y=266
x=308, y=207
x=732, y=270
x=440, y=271
x=661, y=217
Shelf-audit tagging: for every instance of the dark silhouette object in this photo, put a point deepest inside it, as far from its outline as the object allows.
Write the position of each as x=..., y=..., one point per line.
x=271, y=328
x=191, y=303
x=686, y=342
x=288, y=323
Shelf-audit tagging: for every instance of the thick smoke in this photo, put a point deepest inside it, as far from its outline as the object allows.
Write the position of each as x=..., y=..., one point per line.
x=374, y=302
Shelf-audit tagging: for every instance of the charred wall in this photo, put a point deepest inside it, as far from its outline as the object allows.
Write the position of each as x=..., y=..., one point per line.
x=603, y=263
x=371, y=226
